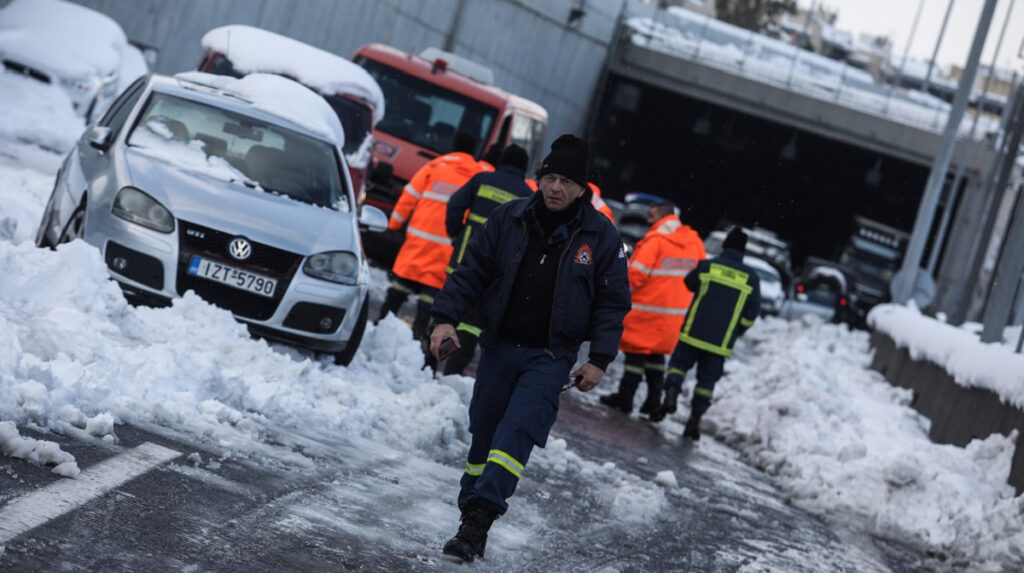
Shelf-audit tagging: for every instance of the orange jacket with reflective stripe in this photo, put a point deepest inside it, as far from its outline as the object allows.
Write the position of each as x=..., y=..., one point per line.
x=424, y=201
x=660, y=297
x=599, y=204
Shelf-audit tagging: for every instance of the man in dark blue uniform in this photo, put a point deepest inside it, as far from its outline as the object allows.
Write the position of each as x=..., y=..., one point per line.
x=468, y=209
x=548, y=273
x=727, y=301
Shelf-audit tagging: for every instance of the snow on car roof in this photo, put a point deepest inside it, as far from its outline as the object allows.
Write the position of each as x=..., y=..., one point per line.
x=278, y=96
x=257, y=50
x=759, y=263
x=65, y=38
x=822, y=271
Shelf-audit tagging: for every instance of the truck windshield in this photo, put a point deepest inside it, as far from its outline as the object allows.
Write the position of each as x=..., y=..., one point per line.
x=426, y=114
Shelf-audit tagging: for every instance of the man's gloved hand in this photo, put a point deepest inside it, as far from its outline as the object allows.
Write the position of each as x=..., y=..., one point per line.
x=440, y=332
x=591, y=376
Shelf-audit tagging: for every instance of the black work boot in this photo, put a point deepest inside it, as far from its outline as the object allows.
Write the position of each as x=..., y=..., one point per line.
x=668, y=406
x=393, y=301
x=653, y=399
x=471, y=539
x=623, y=399
x=692, y=430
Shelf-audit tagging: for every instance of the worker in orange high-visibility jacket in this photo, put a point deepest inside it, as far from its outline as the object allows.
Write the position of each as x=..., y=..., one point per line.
x=420, y=265
x=657, y=270
x=596, y=201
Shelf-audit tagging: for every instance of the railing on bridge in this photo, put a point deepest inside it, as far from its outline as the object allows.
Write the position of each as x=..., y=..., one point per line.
x=695, y=37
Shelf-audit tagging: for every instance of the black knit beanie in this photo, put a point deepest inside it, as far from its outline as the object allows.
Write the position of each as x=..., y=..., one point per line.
x=736, y=239
x=515, y=156
x=569, y=158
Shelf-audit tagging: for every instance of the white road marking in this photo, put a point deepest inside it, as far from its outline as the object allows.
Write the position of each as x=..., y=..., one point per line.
x=36, y=508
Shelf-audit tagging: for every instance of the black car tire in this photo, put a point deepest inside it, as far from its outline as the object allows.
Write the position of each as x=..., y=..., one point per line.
x=344, y=357
x=75, y=227
x=42, y=241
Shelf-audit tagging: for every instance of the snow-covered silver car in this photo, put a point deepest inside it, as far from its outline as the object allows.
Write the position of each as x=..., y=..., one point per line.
x=235, y=189
x=64, y=44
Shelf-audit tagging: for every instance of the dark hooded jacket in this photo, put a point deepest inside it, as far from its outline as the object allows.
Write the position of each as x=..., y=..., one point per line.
x=591, y=285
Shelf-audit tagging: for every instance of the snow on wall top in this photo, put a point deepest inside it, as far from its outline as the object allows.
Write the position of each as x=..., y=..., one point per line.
x=66, y=38
x=970, y=362
x=257, y=50
x=278, y=96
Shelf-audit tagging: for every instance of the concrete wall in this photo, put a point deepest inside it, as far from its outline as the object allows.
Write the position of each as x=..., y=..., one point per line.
x=958, y=414
x=529, y=44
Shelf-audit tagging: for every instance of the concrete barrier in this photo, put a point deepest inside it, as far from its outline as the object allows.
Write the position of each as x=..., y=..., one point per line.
x=958, y=414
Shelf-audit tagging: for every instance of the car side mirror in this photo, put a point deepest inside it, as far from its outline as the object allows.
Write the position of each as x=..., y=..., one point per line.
x=372, y=218
x=381, y=173
x=99, y=137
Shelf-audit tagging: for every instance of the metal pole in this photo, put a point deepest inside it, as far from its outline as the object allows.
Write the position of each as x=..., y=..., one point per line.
x=1007, y=276
x=903, y=60
x=994, y=192
x=703, y=32
x=938, y=42
x=904, y=285
x=796, y=52
x=955, y=188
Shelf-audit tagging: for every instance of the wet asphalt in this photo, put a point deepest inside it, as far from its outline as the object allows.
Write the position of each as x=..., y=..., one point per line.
x=339, y=505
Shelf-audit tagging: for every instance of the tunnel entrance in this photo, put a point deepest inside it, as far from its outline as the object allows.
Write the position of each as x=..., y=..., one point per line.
x=717, y=163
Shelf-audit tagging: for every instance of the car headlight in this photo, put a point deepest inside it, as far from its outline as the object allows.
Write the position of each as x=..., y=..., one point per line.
x=335, y=266
x=80, y=85
x=133, y=205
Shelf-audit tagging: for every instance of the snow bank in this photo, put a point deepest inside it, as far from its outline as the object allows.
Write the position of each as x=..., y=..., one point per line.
x=800, y=401
x=971, y=363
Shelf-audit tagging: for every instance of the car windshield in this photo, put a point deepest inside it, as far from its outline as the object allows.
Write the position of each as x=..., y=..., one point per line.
x=426, y=114
x=275, y=158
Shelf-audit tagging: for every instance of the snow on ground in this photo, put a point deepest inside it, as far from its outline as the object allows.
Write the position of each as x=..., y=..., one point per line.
x=798, y=400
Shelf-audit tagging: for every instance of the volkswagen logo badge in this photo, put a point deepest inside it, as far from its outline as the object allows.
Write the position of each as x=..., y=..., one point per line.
x=239, y=248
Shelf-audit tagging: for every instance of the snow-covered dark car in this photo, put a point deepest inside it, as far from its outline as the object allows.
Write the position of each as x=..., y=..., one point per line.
x=823, y=289
x=235, y=189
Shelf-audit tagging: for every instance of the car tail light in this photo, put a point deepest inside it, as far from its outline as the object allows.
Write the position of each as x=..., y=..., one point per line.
x=800, y=288
x=842, y=301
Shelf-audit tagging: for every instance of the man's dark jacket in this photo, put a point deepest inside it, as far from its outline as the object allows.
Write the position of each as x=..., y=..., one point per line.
x=591, y=289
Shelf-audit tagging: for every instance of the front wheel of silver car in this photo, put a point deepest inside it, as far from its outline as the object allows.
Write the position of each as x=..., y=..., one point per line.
x=346, y=355
x=75, y=227
x=42, y=239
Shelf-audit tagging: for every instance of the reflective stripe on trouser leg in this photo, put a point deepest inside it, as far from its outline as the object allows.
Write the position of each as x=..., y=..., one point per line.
x=709, y=369
x=528, y=414
x=491, y=393
x=683, y=358
x=654, y=369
